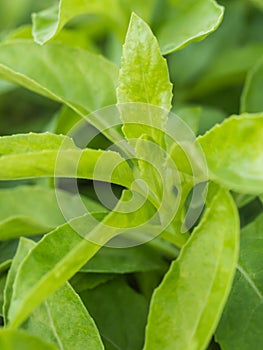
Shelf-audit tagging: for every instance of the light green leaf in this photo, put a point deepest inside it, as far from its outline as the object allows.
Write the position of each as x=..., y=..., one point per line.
x=119, y=312
x=44, y=73
x=144, y=74
x=62, y=308
x=236, y=163
x=19, y=340
x=187, y=305
x=49, y=22
x=61, y=253
x=24, y=247
x=13, y=13
x=188, y=21
x=240, y=325
x=30, y=210
x=51, y=321
x=251, y=100
x=49, y=155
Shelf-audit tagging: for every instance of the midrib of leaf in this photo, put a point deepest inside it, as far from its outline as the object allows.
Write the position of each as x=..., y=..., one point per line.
x=143, y=76
x=53, y=327
x=252, y=284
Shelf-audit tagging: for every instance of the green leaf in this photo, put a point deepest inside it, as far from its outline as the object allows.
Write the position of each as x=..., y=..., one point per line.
x=51, y=321
x=190, y=115
x=61, y=253
x=240, y=325
x=49, y=22
x=144, y=74
x=3, y=276
x=251, y=100
x=83, y=280
x=44, y=73
x=24, y=247
x=76, y=37
x=13, y=13
x=7, y=250
x=50, y=155
x=187, y=305
x=62, y=308
x=119, y=312
x=124, y=260
x=209, y=117
x=228, y=69
x=30, y=210
x=19, y=340
x=188, y=21
x=258, y=3
x=236, y=163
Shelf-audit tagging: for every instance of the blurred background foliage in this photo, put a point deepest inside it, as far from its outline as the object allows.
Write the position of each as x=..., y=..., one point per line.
x=209, y=74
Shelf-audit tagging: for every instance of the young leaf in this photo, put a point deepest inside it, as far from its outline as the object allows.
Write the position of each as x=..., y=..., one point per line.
x=188, y=21
x=187, y=305
x=49, y=22
x=240, y=325
x=144, y=80
x=20, y=340
x=236, y=163
x=50, y=155
x=119, y=312
x=51, y=69
x=144, y=74
x=251, y=100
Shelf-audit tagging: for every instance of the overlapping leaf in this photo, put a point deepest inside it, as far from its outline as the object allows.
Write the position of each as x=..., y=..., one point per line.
x=63, y=307
x=39, y=211
x=237, y=162
x=60, y=72
x=20, y=340
x=187, y=305
x=188, y=21
x=240, y=326
x=49, y=155
x=48, y=23
x=46, y=268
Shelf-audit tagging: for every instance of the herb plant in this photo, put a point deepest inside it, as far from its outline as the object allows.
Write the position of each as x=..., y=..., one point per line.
x=127, y=171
